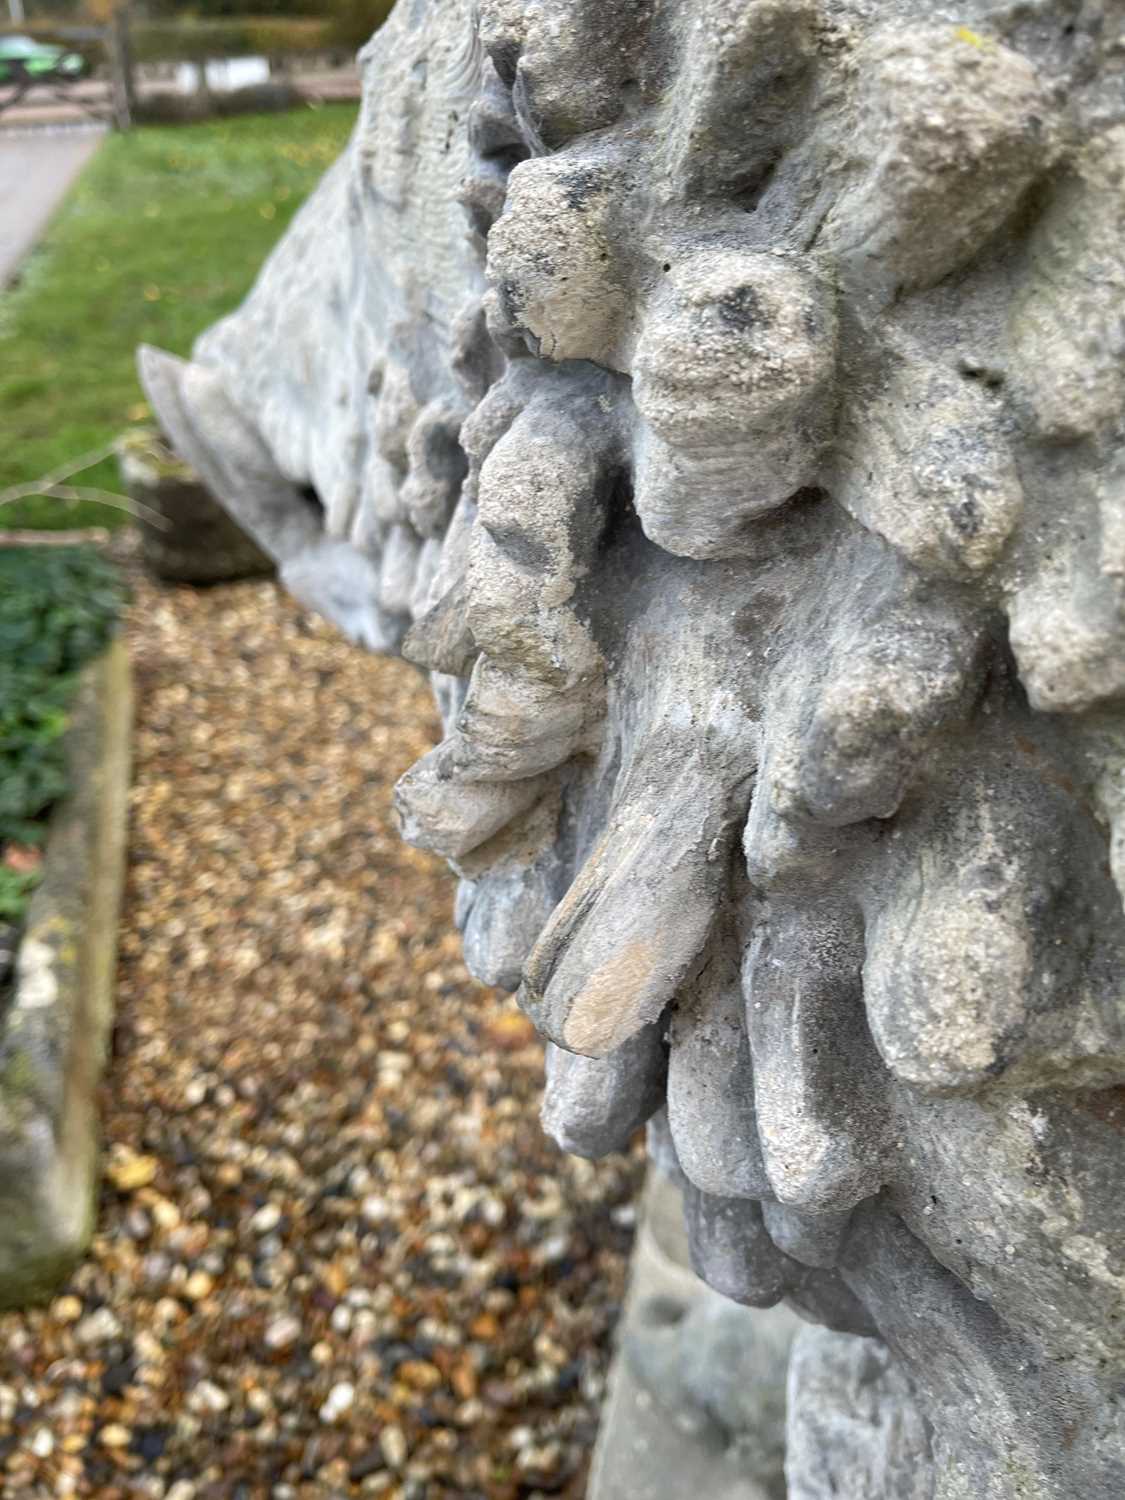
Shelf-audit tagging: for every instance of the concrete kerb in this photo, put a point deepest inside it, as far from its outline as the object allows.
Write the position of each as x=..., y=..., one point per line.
x=656, y=1441
x=54, y=1039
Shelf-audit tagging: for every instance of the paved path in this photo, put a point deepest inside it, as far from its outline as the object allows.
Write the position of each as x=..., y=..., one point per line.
x=35, y=172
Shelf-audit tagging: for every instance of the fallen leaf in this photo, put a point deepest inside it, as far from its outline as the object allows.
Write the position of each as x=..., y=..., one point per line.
x=22, y=858
x=127, y=1171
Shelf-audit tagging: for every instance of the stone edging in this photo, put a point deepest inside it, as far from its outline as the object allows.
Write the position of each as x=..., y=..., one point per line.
x=54, y=1039
x=657, y=1439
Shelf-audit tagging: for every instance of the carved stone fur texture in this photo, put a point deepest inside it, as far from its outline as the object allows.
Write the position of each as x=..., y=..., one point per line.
x=749, y=473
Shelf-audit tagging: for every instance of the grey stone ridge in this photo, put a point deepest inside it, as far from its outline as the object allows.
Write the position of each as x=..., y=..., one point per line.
x=725, y=401
x=55, y=1033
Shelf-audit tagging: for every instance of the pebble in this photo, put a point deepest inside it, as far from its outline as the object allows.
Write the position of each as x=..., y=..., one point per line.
x=552, y=1250
x=195, y=1092
x=42, y=1442
x=66, y=1309
x=266, y=1220
x=392, y=1441
x=375, y=1210
x=198, y=1285
x=208, y=1398
x=138, y=1225
x=340, y=1398
x=419, y=1374
x=282, y=1332
x=166, y=1214
x=98, y=1327
x=114, y=1435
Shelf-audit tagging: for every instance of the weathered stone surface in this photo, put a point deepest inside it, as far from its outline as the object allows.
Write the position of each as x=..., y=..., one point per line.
x=747, y=469
x=186, y=535
x=54, y=1035
x=855, y=1428
x=697, y=1398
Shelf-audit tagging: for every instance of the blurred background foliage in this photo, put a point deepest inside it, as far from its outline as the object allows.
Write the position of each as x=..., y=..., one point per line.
x=187, y=30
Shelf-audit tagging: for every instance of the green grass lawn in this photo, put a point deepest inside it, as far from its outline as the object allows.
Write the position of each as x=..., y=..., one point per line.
x=163, y=233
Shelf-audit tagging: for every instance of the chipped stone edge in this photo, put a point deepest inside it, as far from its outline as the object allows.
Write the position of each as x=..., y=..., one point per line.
x=54, y=1040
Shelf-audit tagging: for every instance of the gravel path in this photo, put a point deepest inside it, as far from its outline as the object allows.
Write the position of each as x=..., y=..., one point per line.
x=335, y=1256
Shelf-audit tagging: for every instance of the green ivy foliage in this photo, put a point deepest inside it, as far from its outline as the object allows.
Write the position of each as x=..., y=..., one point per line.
x=58, y=607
